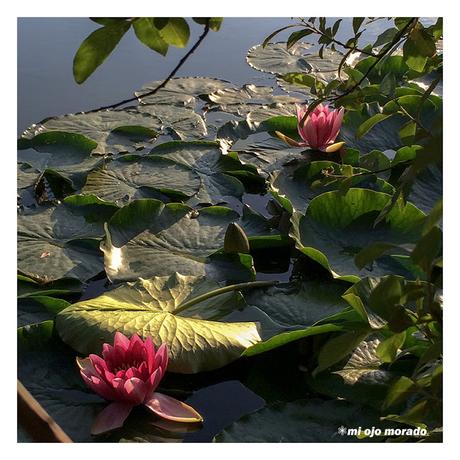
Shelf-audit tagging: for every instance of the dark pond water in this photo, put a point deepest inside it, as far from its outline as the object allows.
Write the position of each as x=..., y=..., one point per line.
x=46, y=47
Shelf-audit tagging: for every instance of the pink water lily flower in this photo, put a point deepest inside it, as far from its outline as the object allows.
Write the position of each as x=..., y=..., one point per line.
x=128, y=375
x=320, y=129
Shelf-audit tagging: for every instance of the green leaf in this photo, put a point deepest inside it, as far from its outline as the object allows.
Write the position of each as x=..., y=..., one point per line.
x=64, y=287
x=388, y=85
x=388, y=349
x=418, y=48
x=363, y=379
x=149, y=35
x=170, y=311
x=386, y=37
x=235, y=240
x=214, y=23
x=427, y=249
x=357, y=24
x=142, y=176
x=95, y=49
x=338, y=347
x=296, y=36
x=174, y=31
x=372, y=252
x=35, y=309
x=337, y=227
x=399, y=392
x=147, y=238
x=311, y=420
x=370, y=123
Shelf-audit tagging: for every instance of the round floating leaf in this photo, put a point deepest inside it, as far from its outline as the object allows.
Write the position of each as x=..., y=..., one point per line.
x=294, y=186
x=64, y=287
x=383, y=136
x=35, y=309
x=213, y=168
x=147, y=238
x=336, y=227
x=27, y=176
x=361, y=379
x=181, y=90
x=131, y=177
x=62, y=241
x=241, y=101
x=300, y=304
x=157, y=307
x=275, y=58
x=180, y=122
x=101, y=128
x=67, y=154
x=311, y=420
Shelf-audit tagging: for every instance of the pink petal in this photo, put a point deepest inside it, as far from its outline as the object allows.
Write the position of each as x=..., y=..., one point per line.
x=172, y=409
x=98, y=385
x=121, y=341
x=135, y=391
x=153, y=382
x=161, y=358
x=311, y=133
x=149, y=357
x=113, y=416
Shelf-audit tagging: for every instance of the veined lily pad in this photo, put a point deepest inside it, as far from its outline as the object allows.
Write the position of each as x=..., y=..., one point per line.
x=294, y=186
x=101, y=127
x=182, y=123
x=300, y=304
x=310, y=420
x=275, y=58
x=147, y=238
x=241, y=101
x=361, y=379
x=336, y=227
x=62, y=241
x=213, y=168
x=181, y=90
x=67, y=154
x=157, y=307
x=133, y=176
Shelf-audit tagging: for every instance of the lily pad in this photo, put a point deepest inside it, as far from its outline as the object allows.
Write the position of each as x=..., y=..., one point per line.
x=180, y=122
x=132, y=176
x=35, y=309
x=241, y=101
x=181, y=90
x=275, y=58
x=156, y=307
x=214, y=169
x=362, y=379
x=147, y=238
x=27, y=176
x=310, y=420
x=300, y=304
x=66, y=154
x=293, y=186
x=336, y=227
x=62, y=241
x=101, y=127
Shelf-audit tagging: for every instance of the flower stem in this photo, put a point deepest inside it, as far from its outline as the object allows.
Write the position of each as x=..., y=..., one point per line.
x=223, y=290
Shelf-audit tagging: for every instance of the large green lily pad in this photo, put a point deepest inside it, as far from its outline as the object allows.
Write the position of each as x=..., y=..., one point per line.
x=294, y=186
x=147, y=238
x=196, y=340
x=300, y=304
x=336, y=227
x=310, y=420
x=102, y=128
x=132, y=176
x=214, y=169
x=62, y=241
x=66, y=154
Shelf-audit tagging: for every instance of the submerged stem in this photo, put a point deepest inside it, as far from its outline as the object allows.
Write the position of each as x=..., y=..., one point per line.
x=223, y=290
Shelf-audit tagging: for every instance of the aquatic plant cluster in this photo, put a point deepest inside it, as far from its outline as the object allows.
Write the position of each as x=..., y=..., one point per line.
x=212, y=233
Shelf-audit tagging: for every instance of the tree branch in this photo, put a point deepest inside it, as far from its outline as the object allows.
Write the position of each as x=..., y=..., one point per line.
x=164, y=82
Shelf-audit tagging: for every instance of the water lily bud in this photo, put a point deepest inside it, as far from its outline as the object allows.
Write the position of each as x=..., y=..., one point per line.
x=235, y=240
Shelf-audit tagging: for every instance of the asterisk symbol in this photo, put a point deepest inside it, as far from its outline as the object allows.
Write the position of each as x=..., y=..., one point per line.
x=342, y=430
